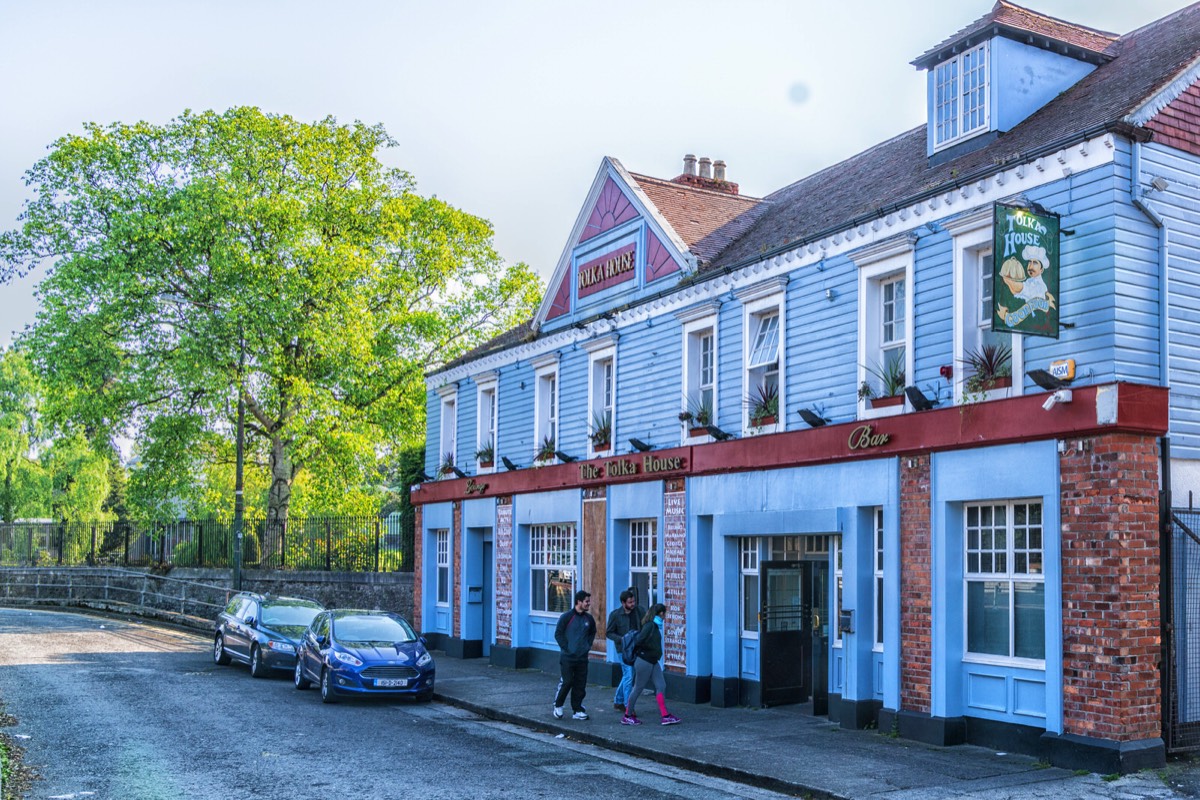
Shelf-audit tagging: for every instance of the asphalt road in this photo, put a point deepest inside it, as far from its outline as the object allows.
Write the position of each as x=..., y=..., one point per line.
x=114, y=709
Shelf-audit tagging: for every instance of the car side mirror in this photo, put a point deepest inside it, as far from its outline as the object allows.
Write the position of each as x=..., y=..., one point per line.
x=251, y=622
x=321, y=640
x=421, y=639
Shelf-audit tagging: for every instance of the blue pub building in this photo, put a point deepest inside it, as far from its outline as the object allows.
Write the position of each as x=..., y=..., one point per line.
x=890, y=441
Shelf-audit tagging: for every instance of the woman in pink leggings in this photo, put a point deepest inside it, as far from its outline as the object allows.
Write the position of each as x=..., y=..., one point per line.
x=646, y=669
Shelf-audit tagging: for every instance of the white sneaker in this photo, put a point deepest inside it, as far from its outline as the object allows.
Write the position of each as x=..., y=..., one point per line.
x=579, y=715
x=558, y=712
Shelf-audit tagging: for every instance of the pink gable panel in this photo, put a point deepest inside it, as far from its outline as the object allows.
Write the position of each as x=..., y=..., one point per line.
x=562, y=299
x=611, y=209
x=659, y=261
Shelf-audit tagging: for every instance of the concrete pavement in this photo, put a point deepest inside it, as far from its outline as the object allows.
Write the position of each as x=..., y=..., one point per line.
x=785, y=750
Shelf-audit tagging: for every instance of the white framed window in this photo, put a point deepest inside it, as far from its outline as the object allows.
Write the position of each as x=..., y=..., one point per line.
x=441, y=540
x=748, y=599
x=1005, y=581
x=643, y=560
x=885, y=364
x=878, y=570
x=602, y=394
x=698, y=406
x=545, y=410
x=552, y=568
x=763, y=327
x=486, y=415
x=960, y=104
x=448, y=430
x=973, y=335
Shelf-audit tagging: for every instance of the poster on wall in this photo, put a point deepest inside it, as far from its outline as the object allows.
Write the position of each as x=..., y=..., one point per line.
x=1025, y=272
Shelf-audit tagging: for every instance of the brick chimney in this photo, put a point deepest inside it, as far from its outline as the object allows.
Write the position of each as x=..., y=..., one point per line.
x=711, y=175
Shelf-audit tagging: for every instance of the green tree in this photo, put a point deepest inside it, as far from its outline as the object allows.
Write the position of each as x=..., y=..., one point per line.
x=249, y=254
x=24, y=488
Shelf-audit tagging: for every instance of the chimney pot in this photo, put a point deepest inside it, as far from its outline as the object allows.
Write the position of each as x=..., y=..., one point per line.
x=705, y=167
x=689, y=164
x=719, y=170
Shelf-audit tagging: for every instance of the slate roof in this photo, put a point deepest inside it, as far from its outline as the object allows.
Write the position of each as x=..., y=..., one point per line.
x=1019, y=23
x=898, y=171
x=510, y=337
x=708, y=221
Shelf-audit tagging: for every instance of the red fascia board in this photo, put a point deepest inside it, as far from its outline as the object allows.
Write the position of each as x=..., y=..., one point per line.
x=1140, y=409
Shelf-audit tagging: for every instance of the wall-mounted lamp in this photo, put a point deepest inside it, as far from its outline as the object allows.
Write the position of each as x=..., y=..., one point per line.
x=423, y=476
x=563, y=457
x=717, y=433
x=918, y=399
x=639, y=445
x=508, y=465
x=812, y=418
x=458, y=472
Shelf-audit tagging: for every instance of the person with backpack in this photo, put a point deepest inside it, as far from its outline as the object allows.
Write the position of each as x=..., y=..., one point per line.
x=647, y=670
x=574, y=633
x=623, y=619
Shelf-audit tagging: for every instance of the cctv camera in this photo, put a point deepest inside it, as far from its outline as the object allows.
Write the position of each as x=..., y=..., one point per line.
x=1060, y=396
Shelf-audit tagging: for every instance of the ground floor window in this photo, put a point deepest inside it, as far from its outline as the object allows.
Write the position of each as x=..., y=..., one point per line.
x=1005, y=582
x=442, y=548
x=643, y=560
x=552, y=561
x=878, y=564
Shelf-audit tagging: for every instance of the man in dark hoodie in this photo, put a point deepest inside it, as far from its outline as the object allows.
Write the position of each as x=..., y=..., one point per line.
x=574, y=633
x=624, y=618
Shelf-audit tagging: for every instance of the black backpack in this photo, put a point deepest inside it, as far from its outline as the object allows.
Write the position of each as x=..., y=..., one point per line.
x=629, y=648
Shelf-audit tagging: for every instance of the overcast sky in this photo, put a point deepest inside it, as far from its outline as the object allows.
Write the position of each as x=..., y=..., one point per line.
x=503, y=109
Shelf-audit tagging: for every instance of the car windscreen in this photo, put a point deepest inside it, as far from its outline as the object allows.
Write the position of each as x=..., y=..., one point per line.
x=275, y=615
x=372, y=629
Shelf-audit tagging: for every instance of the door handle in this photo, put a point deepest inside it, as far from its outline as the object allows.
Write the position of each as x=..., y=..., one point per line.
x=816, y=622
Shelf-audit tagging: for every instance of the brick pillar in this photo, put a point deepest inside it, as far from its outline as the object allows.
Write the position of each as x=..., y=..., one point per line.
x=1110, y=582
x=502, y=550
x=916, y=598
x=456, y=546
x=418, y=574
x=675, y=575
x=594, y=560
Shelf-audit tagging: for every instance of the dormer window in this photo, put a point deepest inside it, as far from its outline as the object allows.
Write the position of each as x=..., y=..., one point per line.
x=961, y=96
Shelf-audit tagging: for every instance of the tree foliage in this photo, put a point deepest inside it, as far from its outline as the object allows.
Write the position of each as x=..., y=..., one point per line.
x=24, y=487
x=248, y=255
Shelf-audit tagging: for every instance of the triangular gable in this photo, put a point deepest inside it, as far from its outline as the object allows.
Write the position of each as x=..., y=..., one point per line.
x=615, y=200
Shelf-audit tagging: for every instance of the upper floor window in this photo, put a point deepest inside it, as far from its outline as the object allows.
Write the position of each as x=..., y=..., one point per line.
x=448, y=439
x=485, y=421
x=602, y=390
x=699, y=402
x=545, y=434
x=763, y=329
x=884, y=329
x=1006, y=589
x=961, y=96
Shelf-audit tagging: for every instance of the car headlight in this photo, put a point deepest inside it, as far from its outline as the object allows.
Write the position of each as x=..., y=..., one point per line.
x=346, y=658
x=424, y=659
x=282, y=647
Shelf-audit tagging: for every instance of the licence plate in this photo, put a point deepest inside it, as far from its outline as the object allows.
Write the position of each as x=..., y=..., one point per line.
x=387, y=682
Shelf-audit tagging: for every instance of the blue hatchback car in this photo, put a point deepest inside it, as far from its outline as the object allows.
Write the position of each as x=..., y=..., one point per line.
x=355, y=653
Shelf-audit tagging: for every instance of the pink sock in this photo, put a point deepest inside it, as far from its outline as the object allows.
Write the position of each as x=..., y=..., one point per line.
x=662, y=704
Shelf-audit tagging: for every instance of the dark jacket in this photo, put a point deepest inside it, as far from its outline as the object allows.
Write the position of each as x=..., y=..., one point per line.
x=621, y=623
x=574, y=634
x=649, y=642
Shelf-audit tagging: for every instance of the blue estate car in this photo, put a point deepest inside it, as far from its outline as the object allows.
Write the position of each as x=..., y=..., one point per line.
x=364, y=653
x=262, y=631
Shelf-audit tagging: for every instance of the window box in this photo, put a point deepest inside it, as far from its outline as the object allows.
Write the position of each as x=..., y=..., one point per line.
x=886, y=402
x=693, y=432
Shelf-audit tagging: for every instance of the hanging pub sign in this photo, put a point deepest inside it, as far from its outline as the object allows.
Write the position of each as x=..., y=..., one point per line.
x=1025, y=272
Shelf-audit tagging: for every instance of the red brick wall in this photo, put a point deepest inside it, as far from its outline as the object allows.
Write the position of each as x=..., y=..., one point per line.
x=502, y=549
x=456, y=546
x=1110, y=587
x=916, y=618
x=418, y=573
x=1178, y=125
x=675, y=575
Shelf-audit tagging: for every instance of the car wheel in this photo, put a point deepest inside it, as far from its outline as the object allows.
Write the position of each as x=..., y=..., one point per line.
x=257, y=668
x=327, y=695
x=298, y=678
x=220, y=657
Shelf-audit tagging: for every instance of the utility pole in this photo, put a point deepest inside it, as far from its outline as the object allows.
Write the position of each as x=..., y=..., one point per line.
x=238, y=503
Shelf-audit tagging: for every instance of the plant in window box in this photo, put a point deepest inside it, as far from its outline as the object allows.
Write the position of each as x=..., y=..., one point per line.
x=991, y=368
x=697, y=416
x=486, y=454
x=447, y=465
x=764, y=405
x=601, y=434
x=545, y=451
x=892, y=380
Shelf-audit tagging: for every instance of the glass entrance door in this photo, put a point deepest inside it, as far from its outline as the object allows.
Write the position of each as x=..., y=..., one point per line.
x=785, y=639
